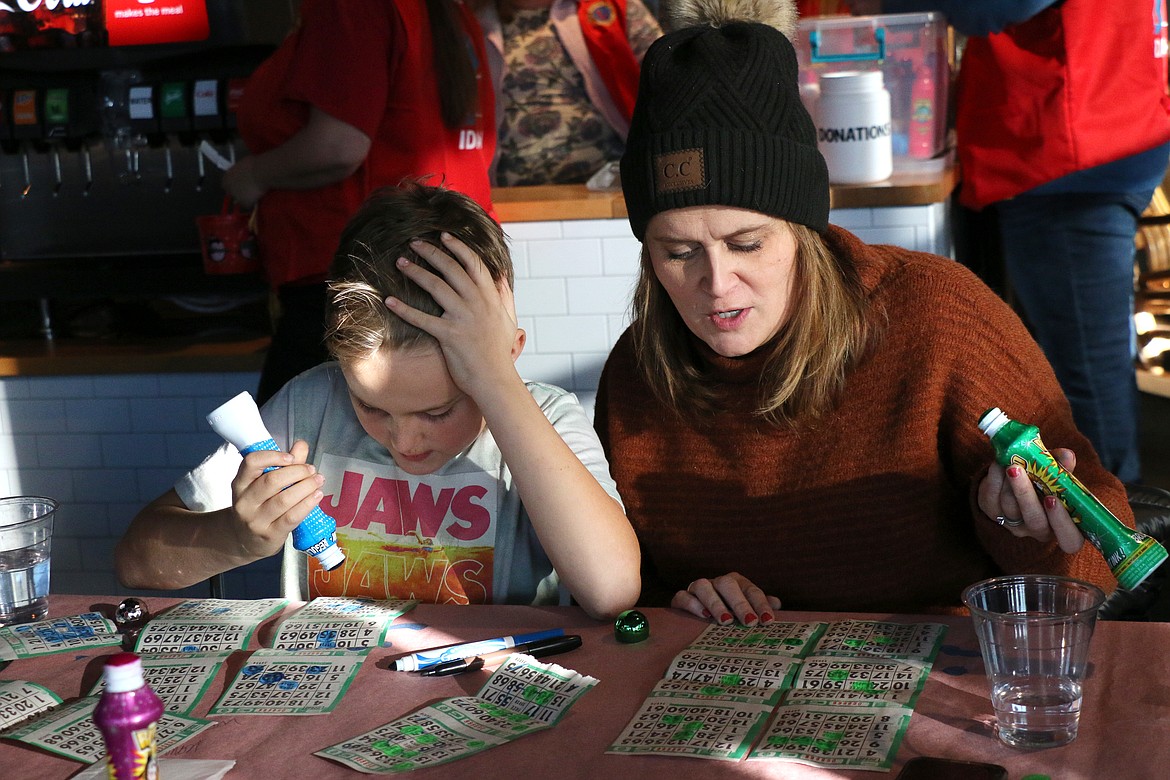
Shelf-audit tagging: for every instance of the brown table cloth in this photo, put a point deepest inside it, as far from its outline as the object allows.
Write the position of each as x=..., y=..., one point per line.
x=1124, y=723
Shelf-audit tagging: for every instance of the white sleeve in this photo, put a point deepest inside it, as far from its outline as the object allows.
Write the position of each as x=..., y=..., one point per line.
x=208, y=486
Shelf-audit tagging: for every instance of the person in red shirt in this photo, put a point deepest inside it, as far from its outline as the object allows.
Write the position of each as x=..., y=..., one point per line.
x=1063, y=132
x=359, y=95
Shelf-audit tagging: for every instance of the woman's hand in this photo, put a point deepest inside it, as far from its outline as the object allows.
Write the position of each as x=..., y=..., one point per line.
x=724, y=597
x=477, y=331
x=268, y=504
x=1009, y=499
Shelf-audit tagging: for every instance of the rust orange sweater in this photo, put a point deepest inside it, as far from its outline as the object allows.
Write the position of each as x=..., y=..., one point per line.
x=872, y=509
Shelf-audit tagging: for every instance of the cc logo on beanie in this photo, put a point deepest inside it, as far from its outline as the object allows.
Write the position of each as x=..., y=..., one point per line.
x=679, y=171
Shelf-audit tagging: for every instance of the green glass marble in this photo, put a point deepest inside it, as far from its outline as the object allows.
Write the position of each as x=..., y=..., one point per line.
x=631, y=626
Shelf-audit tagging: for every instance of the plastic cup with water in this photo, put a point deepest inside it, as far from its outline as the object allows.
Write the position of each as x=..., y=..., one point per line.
x=1034, y=633
x=26, y=536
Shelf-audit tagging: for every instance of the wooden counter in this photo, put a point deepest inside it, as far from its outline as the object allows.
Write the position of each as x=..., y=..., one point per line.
x=67, y=357
x=575, y=201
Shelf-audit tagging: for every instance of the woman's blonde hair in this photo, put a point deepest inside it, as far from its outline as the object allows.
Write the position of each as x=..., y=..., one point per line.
x=365, y=270
x=824, y=337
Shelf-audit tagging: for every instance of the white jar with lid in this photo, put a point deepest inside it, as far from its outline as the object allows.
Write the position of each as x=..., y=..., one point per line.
x=853, y=127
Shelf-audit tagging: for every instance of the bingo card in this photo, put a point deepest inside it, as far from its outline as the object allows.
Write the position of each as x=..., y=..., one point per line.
x=862, y=682
x=57, y=635
x=697, y=720
x=339, y=623
x=179, y=679
x=290, y=682
x=919, y=641
x=206, y=625
x=20, y=700
x=729, y=668
x=842, y=738
x=68, y=730
x=792, y=639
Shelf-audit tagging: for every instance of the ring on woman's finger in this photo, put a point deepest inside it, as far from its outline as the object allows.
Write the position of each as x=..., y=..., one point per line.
x=1009, y=522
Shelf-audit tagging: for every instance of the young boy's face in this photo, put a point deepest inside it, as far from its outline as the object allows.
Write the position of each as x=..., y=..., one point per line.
x=405, y=400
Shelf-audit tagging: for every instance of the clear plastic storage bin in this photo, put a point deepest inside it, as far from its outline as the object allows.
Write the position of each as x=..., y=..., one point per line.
x=914, y=53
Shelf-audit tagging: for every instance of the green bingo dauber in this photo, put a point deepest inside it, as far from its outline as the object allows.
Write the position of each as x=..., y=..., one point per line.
x=1131, y=555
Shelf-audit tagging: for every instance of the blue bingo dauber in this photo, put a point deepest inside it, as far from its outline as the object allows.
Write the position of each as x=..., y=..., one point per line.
x=424, y=659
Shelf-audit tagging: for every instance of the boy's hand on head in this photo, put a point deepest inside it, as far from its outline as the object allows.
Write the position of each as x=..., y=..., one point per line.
x=477, y=331
x=269, y=502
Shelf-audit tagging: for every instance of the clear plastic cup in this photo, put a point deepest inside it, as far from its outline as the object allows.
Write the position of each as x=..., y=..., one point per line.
x=26, y=536
x=1034, y=633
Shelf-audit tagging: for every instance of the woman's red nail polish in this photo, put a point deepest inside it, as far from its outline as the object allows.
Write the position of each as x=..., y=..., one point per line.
x=749, y=618
x=1013, y=471
x=725, y=617
x=706, y=614
x=1050, y=502
x=766, y=617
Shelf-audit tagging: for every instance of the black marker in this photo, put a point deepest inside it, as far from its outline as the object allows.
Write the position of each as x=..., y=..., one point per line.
x=538, y=649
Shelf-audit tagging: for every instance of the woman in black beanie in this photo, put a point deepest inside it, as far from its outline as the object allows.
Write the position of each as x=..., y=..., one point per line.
x=792, y=415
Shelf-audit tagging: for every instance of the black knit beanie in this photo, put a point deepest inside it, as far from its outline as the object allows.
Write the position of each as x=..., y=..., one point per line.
x=719, y=121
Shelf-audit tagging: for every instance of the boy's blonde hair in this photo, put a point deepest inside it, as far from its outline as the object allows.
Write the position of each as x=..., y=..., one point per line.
x=365, y=272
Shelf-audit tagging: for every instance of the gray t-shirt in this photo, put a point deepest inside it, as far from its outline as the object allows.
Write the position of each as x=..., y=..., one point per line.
x=458, y=535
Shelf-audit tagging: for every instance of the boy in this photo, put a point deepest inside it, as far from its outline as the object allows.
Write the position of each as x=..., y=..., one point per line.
x=451, y=479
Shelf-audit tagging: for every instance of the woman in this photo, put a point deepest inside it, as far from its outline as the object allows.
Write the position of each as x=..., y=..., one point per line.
x=792, y=416
x=361, y=94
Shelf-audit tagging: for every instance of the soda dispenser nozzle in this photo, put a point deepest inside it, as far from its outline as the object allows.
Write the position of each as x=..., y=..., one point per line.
x=87, y=166
x=27, y=176
x=56, y=152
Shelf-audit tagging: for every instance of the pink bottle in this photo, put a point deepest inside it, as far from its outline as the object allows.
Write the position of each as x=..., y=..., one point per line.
x=127, y=715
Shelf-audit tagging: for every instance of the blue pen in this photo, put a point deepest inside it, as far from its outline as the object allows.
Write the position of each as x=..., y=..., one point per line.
x=437, y=655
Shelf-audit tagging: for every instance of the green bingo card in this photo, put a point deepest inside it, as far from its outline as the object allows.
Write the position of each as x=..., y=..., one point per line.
x=698, y=720
x=834, y=737
x=68, y=730
x=919, y=641
x=521, y=697
x=859, y=682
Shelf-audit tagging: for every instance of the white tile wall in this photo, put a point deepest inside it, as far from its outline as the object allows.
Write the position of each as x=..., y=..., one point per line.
x=105, y=445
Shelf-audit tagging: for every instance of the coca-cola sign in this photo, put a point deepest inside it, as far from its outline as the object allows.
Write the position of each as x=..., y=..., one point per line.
x=82, y=23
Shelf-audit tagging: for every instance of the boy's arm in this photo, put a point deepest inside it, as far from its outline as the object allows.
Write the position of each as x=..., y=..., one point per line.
x=583, y=530
x=169, y=545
